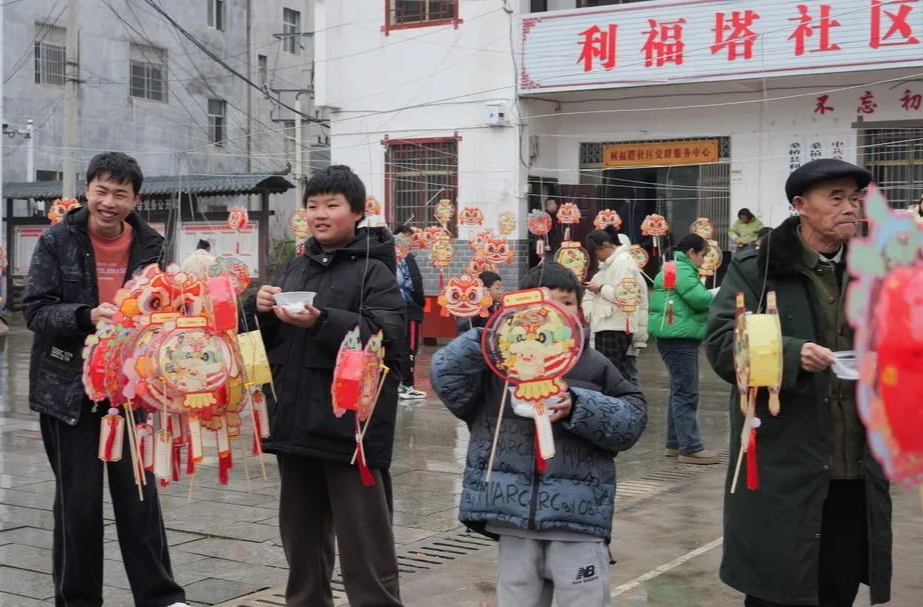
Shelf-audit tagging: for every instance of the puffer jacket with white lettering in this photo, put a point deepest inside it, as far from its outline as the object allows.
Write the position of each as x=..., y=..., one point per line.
x=577, y=490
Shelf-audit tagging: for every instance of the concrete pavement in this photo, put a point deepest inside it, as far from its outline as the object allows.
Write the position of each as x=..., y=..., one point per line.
x=225, y=544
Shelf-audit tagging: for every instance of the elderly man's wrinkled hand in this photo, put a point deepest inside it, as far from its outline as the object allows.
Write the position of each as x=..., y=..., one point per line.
x=815, y=358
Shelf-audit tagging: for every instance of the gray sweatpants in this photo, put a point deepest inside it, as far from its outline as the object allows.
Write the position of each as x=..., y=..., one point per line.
x=531, y=572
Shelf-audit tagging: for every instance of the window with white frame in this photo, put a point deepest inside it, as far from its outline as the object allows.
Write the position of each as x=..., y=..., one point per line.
x=216, y=14
x=50, y=44
x=217, y=121
x=291, y=30
x=148, y=72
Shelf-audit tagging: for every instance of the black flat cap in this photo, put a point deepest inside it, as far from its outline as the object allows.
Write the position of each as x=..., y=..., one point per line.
x=824, y=169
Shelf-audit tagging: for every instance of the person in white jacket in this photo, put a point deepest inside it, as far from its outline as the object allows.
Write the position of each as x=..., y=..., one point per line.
x=615, y=302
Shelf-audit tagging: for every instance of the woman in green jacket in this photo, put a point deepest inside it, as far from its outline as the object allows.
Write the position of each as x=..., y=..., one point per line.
x=679, y=333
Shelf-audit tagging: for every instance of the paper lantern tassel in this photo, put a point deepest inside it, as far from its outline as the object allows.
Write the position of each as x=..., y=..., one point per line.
x=111, y=436
x=753, y=472
x=364, y=473
x=540, y=464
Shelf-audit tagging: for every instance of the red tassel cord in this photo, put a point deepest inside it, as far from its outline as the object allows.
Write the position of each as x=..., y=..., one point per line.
x=364, y=473
x=753, y=472
x=540, y=464
x=670, y=312
x=441, y=280
x=225, y=463
x=112, y=420
x=177, y=456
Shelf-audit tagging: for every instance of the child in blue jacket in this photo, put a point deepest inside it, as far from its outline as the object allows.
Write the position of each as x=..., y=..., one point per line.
x=553, y=525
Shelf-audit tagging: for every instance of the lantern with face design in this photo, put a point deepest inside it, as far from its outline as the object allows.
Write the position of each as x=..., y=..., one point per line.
x=372, y=207
x=471, y=216
x=60, y=207
x=539, y=224
x=568, y=214
x=574, y=257
x=702, y=226
x=712, y=262
x=628, y=297
x=507, y=223
x=464, y=297
x=238, y=218
x=656, y=227
x=607, y=217
x=299, y=223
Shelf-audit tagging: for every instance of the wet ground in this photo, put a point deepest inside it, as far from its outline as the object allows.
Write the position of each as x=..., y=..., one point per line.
x=225, y=544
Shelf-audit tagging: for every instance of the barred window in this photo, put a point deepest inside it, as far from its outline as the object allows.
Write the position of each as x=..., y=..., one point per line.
x=418, y=173
x=422, y=11
x=895, y=159
x=148, y=72
x=217, y=128
x=50, y=44
x=291, y=29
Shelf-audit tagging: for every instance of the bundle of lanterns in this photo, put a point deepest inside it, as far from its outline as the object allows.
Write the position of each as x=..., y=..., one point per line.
x=173, y=353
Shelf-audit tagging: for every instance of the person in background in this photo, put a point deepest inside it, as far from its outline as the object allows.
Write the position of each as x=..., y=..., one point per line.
x=550, y=549
x=410, y=280
x=678, y=318
x=494, y=286
x=744, y=232
x=556, y=234
x=77, y=268
x=613, y=330
x=820, y=523
x=200, y=261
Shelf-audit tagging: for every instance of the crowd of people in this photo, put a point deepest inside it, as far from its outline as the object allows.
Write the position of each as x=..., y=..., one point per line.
x=818, y=526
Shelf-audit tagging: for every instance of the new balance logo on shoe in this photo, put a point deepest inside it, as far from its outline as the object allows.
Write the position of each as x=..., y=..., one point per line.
x=586, y=574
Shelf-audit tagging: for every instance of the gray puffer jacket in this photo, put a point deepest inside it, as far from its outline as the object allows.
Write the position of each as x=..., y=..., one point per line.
x=577, y=491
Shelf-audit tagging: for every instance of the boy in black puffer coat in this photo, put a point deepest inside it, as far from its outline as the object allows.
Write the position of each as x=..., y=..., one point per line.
x=353, y=273
x=553, y=525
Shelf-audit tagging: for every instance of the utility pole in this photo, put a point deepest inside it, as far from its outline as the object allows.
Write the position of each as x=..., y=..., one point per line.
x=299, y=162
x=29, y=134
x=71, y=81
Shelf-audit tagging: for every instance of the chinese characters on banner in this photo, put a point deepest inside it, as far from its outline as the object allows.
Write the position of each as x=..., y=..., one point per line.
x=693, y=40
x=670, y=153
x=802, y=150
x=867, y=103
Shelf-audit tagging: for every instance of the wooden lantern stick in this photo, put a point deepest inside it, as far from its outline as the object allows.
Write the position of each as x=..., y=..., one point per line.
x=129, y=423
x=381, y=384
x=493, y=448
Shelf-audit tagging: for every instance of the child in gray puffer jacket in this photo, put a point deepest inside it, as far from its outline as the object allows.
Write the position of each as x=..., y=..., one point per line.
x=553, y=525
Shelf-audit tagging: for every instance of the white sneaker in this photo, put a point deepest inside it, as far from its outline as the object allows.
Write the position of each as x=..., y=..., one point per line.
x=413, y=393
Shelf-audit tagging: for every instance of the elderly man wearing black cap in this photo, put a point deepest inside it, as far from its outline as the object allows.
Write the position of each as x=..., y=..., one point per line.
x=820, y=522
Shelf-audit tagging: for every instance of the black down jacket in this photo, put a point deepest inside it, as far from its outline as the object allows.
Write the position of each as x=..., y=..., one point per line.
x=302, y=360
x=60, y=293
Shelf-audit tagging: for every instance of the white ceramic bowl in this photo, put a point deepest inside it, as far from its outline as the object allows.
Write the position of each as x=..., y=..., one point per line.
x=294, y=301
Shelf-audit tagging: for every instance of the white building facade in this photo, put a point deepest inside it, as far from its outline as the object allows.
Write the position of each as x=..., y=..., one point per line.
x=686, y=108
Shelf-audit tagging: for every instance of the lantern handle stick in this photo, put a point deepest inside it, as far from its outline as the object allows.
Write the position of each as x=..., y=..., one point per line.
x=744, y=436
x=134, y=431
x=243, y=454
x=272, y=384
x=381, y=384
x=493, y=448
x=129, y=421
x=257, y=439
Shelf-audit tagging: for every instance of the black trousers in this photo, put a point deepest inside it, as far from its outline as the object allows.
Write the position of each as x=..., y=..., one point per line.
x=614, y=346
x=844, y=547
x=412, y=345
x=78, y=520
x=322, y=501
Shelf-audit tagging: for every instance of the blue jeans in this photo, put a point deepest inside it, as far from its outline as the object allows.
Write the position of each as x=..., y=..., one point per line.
x=631, y=370
x=681, y=356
